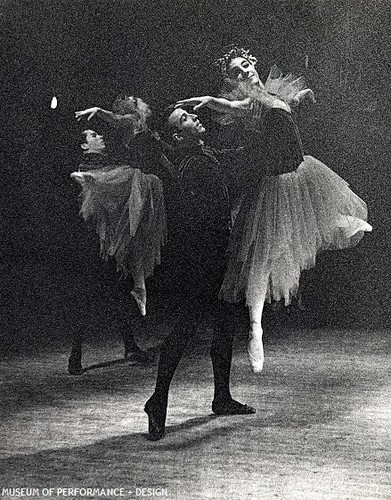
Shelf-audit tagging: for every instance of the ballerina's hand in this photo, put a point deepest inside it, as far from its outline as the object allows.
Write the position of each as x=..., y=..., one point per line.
x=88, y=113
x=306, y=94
x=82, y=177
x=196, y=102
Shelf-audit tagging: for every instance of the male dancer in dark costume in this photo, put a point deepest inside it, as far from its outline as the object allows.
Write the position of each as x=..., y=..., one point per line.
x=199, y=235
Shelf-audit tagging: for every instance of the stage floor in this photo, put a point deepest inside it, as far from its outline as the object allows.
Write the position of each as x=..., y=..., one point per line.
x=321, y=431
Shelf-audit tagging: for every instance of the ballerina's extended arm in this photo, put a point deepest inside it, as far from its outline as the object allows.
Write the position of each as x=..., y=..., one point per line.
x=220, y=104
x=105, y=115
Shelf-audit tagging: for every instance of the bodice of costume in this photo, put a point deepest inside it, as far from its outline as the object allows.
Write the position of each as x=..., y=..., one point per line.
x=272, y=146
x=282, y=150
x=269, y=134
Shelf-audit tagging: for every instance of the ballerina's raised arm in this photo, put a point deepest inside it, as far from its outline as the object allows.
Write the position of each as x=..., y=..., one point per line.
x=238, y=107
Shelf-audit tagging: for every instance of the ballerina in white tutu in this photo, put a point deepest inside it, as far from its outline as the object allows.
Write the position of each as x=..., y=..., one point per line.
x=293, y=206
x=122, y=194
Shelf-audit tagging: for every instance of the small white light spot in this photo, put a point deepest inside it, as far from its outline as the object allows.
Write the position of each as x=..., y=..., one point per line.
x=53, y=104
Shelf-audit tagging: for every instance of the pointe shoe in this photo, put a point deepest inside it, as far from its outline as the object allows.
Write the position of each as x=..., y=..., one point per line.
x=140, y=296
x=255, y=352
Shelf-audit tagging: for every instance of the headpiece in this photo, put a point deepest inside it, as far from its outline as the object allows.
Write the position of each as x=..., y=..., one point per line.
x=234, y=52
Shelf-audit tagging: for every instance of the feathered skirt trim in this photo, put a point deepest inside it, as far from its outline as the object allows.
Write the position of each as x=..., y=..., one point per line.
x=127, y=207
x=281, y=228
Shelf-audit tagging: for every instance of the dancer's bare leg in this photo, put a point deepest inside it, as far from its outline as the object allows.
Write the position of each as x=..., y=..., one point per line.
x=255, y=344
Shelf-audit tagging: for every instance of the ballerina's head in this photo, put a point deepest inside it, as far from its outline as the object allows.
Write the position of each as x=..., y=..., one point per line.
x=129, y=105
x=238, y=66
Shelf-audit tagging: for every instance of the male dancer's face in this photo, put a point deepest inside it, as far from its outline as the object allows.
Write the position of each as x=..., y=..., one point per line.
x=94, y=142
x=187, y=123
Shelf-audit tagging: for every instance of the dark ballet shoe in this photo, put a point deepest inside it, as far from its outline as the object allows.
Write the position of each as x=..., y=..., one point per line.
x=156, y=419
x=137, y=356
x=74, y=368
x=232, y=408
x=74, y=363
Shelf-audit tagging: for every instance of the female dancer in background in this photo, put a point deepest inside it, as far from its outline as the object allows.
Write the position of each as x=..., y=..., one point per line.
x=294, y=206
x=125, y=196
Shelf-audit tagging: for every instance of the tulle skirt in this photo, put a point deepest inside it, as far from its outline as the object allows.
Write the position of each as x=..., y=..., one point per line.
x=281, y=228
x=127, y=207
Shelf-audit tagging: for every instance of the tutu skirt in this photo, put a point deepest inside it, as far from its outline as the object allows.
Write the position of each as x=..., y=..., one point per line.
x=127, y=207
x=283, y=225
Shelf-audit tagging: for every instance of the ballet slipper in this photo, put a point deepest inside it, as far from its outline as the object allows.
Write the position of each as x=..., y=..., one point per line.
x=255, y=349
x=140, y=296
x=74, y=362
x=156, y=418
x=137, y=355
x=232, y=407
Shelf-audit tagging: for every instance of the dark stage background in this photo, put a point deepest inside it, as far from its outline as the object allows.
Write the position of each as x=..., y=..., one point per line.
x=86, y=52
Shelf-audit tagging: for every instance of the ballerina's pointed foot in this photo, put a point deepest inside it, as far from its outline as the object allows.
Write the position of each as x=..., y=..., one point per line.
x=140, y=296
x=256, y=355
